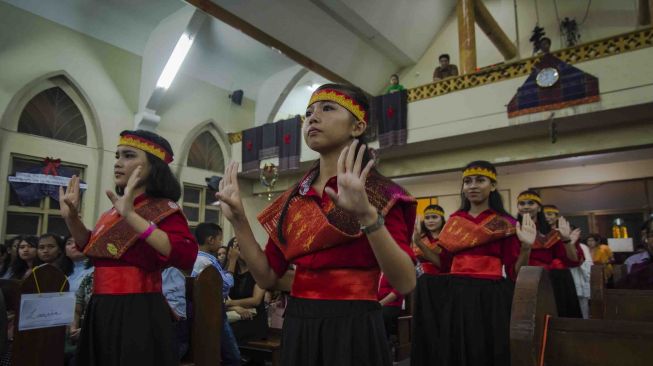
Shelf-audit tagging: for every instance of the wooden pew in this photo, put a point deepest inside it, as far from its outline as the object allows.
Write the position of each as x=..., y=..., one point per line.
x=49, y=342
x=405, y=330
x=535, y=341
x=618, y=304
x=204, y=294
x=268, y=349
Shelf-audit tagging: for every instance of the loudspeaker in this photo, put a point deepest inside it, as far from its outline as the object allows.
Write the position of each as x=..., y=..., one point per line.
x=236, y=97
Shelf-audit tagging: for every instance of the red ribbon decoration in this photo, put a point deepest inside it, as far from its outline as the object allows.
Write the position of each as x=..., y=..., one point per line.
x=51, y=166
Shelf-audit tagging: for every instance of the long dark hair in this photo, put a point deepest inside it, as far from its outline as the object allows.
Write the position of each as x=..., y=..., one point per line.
x=6, y=252
x=161, y=182
x=542, y=225
x=359, y=97
x=494, y=201
x=19, y=266
x=423, y=225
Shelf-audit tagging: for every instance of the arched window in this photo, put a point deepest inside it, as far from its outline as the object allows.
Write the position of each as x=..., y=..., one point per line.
x=53, y=114
x=205, y=153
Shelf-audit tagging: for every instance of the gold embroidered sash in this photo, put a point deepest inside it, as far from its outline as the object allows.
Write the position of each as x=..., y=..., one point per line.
x=308, y=229
x=546, y=241
x=460, y=233
x=112, y=235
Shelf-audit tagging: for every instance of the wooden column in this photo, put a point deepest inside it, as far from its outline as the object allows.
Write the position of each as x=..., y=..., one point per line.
x=644, y=12
x=466, y=36
x=491, y=28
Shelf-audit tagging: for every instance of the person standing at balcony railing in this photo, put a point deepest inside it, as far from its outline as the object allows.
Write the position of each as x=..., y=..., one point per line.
x=394, y=85
x=445, y=69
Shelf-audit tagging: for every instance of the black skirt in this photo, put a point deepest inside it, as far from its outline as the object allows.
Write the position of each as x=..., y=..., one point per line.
x=334, y=332
x=461, y=321
x=125, y=330
x=564, y=291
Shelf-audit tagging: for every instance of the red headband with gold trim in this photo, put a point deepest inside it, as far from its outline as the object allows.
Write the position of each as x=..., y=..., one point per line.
x=551, y=210
x=147, y=146
x=341, y=99
x=433, y=211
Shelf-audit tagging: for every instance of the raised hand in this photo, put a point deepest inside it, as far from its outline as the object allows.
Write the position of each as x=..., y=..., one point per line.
x=69, y=200
x=564, y=228
x=351, y=195
x=574, y=236
x=125, y=204
x=229, y=194
x=526, y=231
x=417, y=231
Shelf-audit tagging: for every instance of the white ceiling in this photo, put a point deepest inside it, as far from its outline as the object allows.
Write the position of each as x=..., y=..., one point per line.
x=221, y=55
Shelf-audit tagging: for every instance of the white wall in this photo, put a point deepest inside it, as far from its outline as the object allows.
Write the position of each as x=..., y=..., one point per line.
x=511, y=185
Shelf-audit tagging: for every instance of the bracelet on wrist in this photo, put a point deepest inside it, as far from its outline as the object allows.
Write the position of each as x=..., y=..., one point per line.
x=150, y=229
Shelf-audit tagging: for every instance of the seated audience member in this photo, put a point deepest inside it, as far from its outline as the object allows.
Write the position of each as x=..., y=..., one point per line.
x=5, y=259
x=174, y=290
x=445, y=69
x=82, y=298
x=246, y=298
x=394, y=85
x=74, y=264
x=642, y=255
x=12, y=249
x=601, y=253
x=209, y=237
x=27, y=258
x=221, y=256
x=391, y=300
x=641, y=274
x=51, y=247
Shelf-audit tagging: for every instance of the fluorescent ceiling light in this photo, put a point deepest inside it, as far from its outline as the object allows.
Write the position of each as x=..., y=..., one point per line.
x=313, y=87
x=174, y=62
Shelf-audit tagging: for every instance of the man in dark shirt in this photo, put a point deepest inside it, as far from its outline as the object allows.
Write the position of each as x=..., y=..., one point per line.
x=641, y=274
x=445, y=69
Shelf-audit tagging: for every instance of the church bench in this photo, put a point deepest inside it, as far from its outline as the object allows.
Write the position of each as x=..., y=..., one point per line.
x=268, y=349
x=48, y=341
x=618, y=304
x=538, y=336
x=204, y=295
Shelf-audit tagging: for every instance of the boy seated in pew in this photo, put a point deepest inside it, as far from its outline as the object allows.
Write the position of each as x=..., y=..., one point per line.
x=640, y=275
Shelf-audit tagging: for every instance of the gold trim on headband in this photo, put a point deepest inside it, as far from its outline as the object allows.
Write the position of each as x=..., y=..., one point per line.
x=135, y=141
x=551, y=209
x=529, y=196
x=433, y=211
x=480, y=171
x=341, y=99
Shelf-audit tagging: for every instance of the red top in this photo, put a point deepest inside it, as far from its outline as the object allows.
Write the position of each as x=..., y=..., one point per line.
x=355, y=255
x=386, y=289
x=427, y=266
x=555, y=257
x=482, y=261
x=182, y=254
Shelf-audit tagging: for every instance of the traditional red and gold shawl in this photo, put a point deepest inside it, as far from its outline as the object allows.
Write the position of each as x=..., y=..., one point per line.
x=112, y=235
x=433, y=245
x=308, y=229
x=546, y=241
x=460, y=233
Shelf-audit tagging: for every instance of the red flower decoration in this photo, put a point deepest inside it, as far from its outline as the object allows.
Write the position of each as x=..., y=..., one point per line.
x=249, y=145
x=390, y=112
x=286, y=139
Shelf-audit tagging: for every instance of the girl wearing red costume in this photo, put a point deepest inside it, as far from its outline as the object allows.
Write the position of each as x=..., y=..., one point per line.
x=340, y=225
x=556, y=249
x=127, y=320
x=425, y=239
x=463, y=318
